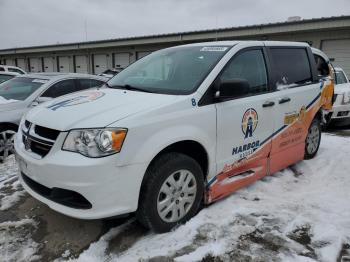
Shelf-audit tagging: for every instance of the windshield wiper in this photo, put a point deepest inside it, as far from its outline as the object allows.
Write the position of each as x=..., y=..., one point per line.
x=131, y=88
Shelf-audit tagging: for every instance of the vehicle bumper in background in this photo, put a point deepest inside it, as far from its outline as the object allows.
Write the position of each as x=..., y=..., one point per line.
x=340, y=114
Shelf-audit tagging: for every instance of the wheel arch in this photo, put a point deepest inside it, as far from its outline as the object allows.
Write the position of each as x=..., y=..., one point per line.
x=9, y=125
x=190, y=148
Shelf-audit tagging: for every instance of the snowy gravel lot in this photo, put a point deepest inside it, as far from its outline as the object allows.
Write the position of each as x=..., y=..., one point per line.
x=299, y=214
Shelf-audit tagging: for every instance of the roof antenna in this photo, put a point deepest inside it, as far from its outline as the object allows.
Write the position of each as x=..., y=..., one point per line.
x=85, y=26
x=216, y=26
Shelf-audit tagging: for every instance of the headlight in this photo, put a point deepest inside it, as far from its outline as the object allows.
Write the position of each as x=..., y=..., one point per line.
x=346, y=98
x=95, y=142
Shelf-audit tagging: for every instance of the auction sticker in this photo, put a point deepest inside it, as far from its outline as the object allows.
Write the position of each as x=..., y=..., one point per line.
x=213, y=49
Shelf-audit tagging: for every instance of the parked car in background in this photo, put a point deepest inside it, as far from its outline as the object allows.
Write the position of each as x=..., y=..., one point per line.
x=4, y=76
x=13, y=69
x=111, y=72
x=179, y=127
x=340, y=113
x=20, y=94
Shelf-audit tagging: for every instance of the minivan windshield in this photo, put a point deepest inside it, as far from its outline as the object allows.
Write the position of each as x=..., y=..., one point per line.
x=340, y=77
x=20, y=88
x=177, y=70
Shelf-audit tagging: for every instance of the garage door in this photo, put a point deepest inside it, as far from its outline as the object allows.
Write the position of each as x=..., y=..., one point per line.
x=142, y=54
x=121, y=60
x=63, y=64
x=100, y=63
x=10, y=62
x=35, y=64
x=48, y=64
x=21, y=63
x=81, y=64
x=339, y=53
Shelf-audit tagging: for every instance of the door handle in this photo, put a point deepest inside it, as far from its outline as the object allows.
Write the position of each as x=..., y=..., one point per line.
x=268, y=104
x=284, y=100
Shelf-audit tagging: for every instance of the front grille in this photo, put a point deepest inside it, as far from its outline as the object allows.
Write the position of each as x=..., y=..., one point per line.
x=38, y=139
x=62, y=196
x=46, y=132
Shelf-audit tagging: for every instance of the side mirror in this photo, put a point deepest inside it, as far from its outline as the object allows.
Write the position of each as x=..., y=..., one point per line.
x=40, y=100
x=233, y=88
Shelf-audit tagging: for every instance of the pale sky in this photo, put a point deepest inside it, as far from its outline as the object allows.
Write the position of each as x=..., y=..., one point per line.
x=41, y=22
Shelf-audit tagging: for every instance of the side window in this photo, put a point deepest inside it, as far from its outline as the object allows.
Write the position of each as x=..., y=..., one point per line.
x=249, y=66
x=340, y=77
x=14, y=70
x=322, y=66
x=59, y=89
x=291, y=67
x=88, y=83
x=2, y=69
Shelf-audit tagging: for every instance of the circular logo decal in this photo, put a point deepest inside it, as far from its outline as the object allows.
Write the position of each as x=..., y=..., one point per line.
x=78, y=99
x=249, y=122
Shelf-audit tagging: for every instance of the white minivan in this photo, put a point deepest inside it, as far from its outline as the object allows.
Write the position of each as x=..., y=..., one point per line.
x=182, y=126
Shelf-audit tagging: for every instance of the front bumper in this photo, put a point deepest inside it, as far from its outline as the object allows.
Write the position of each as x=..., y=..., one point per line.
x=111, y=190
x=340, y=112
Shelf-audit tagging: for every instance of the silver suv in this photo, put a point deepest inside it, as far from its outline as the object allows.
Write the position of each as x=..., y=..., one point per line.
x=20, y=94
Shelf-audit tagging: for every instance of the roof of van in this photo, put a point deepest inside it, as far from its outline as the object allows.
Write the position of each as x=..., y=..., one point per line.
x=232, y=43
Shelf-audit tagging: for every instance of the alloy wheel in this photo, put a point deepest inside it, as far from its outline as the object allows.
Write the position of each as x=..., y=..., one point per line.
x=6, y=144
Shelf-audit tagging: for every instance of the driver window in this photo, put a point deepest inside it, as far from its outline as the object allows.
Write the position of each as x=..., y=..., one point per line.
x=61, y=88
x=249, y=66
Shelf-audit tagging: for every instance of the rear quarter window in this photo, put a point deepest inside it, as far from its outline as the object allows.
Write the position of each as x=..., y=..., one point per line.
x=291, y=67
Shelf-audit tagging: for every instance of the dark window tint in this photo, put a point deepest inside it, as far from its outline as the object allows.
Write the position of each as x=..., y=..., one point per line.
x=249, y=66
x=61, y=88
x=88, y=83
x=15, y=70
x=291, y=67
x=322, y=66
x=4, y=78
x=340, y=78
x=2, y=69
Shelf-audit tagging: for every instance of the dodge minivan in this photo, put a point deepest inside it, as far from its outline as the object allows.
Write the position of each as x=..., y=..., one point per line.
x=181, y=127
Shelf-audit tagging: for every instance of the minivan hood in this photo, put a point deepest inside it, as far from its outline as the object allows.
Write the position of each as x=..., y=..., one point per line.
x=94, y=108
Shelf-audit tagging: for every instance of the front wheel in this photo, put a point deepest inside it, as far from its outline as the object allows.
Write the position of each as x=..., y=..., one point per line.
x=313, y=139
x=172, y=192
x=6, y=143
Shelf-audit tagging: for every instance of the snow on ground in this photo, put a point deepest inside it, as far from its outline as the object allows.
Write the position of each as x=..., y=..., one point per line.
x=299, y=214
x=15, y=241
x=10, y=188
x=15, y=236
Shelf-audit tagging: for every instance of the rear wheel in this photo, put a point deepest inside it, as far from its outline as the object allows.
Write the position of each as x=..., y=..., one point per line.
x=7, y=136
x=313, y=139
x=172, y=192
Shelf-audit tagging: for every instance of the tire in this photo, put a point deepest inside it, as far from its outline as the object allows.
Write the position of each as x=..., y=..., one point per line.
x=313, y=139
x=6, y=142
x=171, y=193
